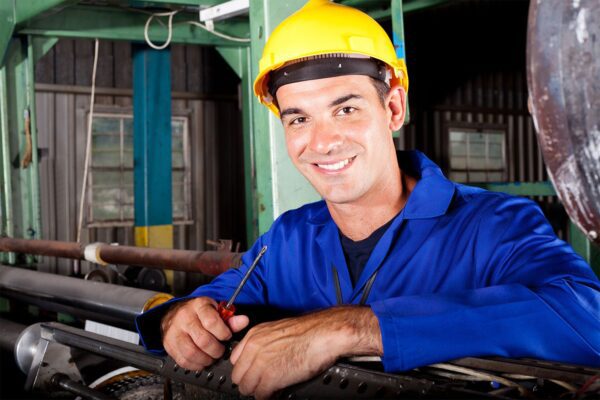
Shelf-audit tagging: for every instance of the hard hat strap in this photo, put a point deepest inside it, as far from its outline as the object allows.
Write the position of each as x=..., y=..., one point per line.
x=327, y=67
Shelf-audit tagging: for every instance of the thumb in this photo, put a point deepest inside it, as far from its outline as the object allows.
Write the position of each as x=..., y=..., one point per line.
x=238, y=322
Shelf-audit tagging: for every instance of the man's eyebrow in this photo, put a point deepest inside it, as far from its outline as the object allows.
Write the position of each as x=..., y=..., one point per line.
x=290, y=111
x=344, y=99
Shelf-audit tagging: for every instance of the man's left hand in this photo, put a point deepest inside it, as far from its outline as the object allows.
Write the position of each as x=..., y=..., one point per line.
x=277, y=354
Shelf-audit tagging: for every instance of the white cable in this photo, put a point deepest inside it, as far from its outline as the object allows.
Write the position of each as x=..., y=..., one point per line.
x=222, y=35
x=169, y=14
x=478, y=374
x=88, y=146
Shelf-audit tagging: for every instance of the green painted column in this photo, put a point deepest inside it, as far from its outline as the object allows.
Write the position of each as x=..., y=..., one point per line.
x=20, y=205
x=279, y=186
x=152, y=149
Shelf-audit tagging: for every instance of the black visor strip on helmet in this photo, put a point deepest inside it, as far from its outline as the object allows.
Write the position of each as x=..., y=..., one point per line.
x=325, y=68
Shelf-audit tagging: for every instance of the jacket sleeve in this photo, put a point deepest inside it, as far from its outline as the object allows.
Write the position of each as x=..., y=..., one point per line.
x=221, y=288
x=536, y=298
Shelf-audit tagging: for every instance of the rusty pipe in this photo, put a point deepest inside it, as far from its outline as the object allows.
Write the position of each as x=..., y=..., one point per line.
x=206, y=262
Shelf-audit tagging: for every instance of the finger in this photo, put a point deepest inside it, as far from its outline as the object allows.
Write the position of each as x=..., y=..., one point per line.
x=243, y=357
x=238, y=322
x=266, y=387
x=237, y=350
x=187, y=355
x=207, y=342
x=247, y=374
x=212, y=322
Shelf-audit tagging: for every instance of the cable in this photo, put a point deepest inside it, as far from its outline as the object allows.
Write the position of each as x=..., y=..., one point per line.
x=88, y=146
x=222, y=35
x=482, y=375
x=169, y=14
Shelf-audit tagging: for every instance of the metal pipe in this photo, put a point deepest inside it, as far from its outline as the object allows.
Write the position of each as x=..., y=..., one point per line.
x=102, y=302
x=64, y=382
x=9, y=333
x=207, y=262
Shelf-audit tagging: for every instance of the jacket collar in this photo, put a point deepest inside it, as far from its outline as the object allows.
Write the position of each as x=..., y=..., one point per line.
x=430, y=198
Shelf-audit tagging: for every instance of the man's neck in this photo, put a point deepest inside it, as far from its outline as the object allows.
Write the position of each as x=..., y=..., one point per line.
x=359, y=219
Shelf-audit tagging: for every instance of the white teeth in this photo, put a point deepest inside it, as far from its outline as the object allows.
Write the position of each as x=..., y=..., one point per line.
x=336, y=166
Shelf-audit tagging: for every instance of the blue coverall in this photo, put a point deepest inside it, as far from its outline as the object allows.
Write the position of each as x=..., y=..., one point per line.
x=461, y=272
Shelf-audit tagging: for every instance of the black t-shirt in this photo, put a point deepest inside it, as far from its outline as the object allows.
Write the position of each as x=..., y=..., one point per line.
x=357, y=253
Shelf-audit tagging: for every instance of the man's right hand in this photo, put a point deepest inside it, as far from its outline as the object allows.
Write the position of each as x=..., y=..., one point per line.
x=192, y=332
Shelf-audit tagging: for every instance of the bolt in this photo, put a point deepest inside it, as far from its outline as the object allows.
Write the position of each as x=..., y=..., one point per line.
x=222, y=379
x=362, y=387
x=210, y=376
x=343, y=383
x=327, y=379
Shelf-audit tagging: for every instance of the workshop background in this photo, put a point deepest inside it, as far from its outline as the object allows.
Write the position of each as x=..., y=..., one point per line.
x=468, y=112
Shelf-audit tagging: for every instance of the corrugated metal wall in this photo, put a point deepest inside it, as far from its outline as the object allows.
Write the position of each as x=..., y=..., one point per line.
x=63, y=77
x=467, y=67
x=466, y=63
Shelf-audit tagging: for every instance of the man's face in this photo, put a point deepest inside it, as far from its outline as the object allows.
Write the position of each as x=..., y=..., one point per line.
x=338, y=135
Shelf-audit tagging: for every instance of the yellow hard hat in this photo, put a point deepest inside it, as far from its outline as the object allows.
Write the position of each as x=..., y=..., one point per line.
x=322, y=27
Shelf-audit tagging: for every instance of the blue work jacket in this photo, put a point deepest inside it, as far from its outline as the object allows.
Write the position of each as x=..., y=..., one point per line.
x=460, y=272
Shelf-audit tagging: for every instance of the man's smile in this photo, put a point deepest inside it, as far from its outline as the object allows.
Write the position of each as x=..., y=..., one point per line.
x=335, y=166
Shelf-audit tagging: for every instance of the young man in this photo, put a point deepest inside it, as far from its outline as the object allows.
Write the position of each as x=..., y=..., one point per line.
x=396, y=260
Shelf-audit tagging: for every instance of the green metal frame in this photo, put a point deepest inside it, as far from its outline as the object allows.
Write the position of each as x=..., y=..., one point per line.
x=21, y=205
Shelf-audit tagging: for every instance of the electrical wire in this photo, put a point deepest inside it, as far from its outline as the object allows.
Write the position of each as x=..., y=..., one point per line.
x=88, y=146
x=219, y=34
x=478, y=374
x=167, y=42
x=171, y=15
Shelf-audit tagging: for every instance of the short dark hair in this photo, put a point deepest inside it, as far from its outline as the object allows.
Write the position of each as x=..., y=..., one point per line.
x=382, y=88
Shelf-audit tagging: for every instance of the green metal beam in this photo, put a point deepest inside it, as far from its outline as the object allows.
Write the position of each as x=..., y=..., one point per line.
x=380, y=9
x=123, y=24
x=41, y=46
x=234, y=56
x=14, y=12
x=520, y=188
x=21, y=180
x=279, y=186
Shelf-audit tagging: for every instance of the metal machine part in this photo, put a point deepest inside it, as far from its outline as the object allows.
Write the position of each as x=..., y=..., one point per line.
x=99, y=301
x=207, y=262
x=341, y=380
x=563, y=66
x=26, y=346
x=9, y=333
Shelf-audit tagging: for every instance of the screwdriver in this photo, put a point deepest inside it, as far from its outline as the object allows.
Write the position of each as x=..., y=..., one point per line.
x=226, y=309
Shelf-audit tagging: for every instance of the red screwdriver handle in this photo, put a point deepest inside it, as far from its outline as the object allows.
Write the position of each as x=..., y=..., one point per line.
x=224, y=312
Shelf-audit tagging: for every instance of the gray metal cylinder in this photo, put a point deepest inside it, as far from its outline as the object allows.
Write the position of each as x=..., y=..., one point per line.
x=102, y=302
x=9, y=333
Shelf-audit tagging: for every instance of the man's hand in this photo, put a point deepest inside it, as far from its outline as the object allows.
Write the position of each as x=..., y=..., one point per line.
x=275, y=355
x=192, y=331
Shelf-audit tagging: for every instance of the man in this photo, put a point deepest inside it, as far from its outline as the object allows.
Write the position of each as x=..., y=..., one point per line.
x=396, y=260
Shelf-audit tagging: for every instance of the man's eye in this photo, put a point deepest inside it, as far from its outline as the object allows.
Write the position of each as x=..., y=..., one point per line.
x=346, y=110
x=298, y=121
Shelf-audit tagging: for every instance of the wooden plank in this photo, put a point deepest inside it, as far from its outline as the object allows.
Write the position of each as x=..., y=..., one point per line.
x=64, y=61
x=195, y=69
x=178, y=68
x=44, y=68
x=65, y=170
x=84, y=62
x=123, y=67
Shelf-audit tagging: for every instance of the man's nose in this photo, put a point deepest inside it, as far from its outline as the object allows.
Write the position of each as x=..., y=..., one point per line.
x=325, y=138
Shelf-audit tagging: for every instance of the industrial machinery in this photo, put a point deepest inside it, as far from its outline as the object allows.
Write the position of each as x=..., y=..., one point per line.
x=94, y=354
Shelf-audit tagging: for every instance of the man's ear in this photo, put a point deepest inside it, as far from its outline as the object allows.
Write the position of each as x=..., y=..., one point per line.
x=396, y=102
